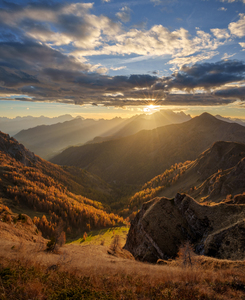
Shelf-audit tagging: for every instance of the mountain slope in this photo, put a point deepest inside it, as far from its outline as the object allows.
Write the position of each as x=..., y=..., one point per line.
x=28, y=183
x=48, y=140
x=216, y=174
x=140, y=157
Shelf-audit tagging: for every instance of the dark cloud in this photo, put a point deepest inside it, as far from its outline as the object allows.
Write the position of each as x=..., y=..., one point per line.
x=172, y=99
x=45, y=74
x=208, y=75
x=9, y=78
x=238, y=92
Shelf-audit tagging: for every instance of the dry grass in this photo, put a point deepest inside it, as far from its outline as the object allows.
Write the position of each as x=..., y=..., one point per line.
x=136, y=281
x=90, y=273
x=27, y=271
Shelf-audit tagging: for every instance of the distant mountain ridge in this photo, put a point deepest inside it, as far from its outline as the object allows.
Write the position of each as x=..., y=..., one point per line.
x=140, y=157
x=13, y=126
x=48, y=141
x=231, y=120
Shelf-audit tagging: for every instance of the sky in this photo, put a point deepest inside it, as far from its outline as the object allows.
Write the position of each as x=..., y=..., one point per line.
x=110, y=58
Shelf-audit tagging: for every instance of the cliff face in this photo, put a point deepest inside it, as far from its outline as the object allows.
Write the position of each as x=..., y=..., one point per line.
x=163, y=225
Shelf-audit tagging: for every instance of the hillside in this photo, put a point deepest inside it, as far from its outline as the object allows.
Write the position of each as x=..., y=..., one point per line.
x=138, y=158
x=48, y=141
x=27, y=271
x=216, y=174
x=28, y=184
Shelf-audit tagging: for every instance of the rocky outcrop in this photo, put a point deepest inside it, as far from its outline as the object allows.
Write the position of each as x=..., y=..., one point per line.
x=225, y=182
x=227, y=243
x=163, y=224
x=16, y=150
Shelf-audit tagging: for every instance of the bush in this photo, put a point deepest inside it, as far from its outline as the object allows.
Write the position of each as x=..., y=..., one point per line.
x=186, y=254
x=116, y=243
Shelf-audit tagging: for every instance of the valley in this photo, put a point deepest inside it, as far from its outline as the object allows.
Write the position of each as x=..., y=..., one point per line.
x=152, y=192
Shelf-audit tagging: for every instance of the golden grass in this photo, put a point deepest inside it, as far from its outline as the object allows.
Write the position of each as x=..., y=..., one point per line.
x=88, y=272
x=25, y=280
x=27, y=271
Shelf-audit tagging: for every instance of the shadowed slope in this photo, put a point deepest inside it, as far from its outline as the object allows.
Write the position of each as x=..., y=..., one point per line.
x=138, y=158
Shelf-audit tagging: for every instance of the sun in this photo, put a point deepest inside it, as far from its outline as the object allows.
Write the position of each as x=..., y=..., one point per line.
x=151, y=108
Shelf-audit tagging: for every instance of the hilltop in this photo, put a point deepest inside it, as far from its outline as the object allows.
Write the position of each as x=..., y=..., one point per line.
x=138, y=158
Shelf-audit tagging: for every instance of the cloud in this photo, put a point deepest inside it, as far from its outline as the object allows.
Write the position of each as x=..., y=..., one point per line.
x=180, y=61
x=238, y=28
x=118, y=68
x=222, y=9
x=44, y=52
x=226, y=56
x=73, y=25
x=220, y=33
x=231, y=1
x=237, y=93
x=242, y=45
x=124, y=14
x=163, y=2
x=208, y=75
x=59, y=24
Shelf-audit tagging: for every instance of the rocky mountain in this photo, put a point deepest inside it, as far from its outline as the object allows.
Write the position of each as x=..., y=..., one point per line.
x=148, y=122
x=47, y=141
x=138, y=158
x=216, y=174
x=231, y=120
x=13, y=126
x=163, y=224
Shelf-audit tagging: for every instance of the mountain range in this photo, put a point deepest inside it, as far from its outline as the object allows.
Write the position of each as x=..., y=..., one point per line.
x=47, y=141
x=137, y=158
x=203, y=157
x=13, y=126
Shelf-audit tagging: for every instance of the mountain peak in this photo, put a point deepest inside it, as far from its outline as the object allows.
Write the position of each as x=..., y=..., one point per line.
x=206, y=116
x=205, y=119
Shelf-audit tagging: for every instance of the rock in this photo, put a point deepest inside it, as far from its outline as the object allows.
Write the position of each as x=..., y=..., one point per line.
x=227, y=243
x=163, y=224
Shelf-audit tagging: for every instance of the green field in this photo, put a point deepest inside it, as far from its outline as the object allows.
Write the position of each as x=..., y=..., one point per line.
x=103, y=236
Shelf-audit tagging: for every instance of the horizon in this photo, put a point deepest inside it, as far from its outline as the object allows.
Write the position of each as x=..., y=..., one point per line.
x=113, y=58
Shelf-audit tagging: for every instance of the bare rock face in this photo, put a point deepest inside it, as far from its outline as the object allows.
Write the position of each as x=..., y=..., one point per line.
x=164, y=224
x=227, y=243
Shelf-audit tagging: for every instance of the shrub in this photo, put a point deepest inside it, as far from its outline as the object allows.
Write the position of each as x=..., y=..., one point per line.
x=186, y=254
x=116, y=243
